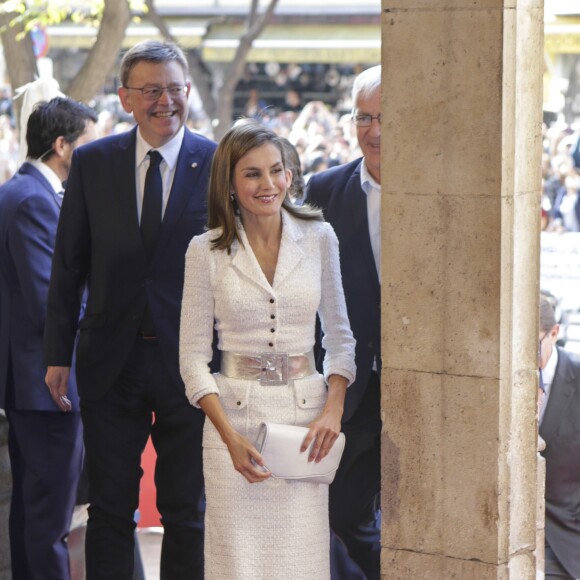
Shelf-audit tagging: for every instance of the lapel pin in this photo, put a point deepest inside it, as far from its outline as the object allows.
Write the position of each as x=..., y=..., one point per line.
x=193, y=165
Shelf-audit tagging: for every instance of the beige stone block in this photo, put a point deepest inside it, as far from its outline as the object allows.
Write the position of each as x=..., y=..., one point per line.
x=525, y=261
x=441, y=102
x=402, y=565
x=529, y=57
x=441, y=284
x=440, y=465
x=522, y=461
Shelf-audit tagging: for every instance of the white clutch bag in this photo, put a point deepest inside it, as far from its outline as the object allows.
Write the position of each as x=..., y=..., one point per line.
x=280, y=445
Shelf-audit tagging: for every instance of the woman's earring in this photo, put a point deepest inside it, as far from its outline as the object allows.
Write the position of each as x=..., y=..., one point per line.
x=232, y=196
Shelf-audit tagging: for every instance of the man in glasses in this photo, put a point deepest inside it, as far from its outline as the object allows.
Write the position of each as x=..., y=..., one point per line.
x=133, y=203
x=45, y=445
x=350, y=196
x=559, y=425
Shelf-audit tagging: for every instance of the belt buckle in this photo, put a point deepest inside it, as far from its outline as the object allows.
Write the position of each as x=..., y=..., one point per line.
x=274, y=368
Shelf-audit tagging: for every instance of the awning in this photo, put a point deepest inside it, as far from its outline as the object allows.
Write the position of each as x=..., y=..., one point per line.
x=332, y=43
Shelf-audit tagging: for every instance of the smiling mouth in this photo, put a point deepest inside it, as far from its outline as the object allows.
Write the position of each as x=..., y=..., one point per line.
x=267, y=198
x=164, y=115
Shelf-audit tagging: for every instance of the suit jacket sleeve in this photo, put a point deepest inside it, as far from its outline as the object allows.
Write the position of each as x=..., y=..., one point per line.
x=31, y=239
x=70, y=268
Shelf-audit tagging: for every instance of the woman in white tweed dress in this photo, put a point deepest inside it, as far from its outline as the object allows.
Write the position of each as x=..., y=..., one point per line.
x=260, y=274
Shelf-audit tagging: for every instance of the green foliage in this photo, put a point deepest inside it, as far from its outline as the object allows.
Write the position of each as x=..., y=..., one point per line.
x=43, y=13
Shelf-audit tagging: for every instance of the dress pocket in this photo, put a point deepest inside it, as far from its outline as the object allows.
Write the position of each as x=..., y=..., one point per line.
x=311, y=395
x=234, y=394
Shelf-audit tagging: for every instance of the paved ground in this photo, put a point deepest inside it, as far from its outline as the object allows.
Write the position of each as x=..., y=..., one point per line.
x=150, y=547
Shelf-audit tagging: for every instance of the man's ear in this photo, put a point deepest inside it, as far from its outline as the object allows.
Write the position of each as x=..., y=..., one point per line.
x=59, y=145
x=125, y=99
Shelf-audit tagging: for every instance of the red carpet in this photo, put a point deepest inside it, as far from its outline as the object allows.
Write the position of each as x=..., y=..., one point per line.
x=148, y=514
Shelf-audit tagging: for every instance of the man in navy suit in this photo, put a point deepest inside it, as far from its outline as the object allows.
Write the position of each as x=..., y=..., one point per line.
x=559, y=424
x=350, y=196
x=127, y=354
x=45, y=445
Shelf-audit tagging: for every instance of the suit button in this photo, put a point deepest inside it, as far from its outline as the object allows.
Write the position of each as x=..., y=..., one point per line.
x=148, y=281
x=135, y=317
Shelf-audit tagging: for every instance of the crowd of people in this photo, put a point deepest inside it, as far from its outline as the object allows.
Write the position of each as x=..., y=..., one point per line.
x=143, y=275
x=560, y=209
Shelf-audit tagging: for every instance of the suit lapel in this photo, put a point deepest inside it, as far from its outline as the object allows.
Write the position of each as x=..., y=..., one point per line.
x=123, y=160
x=559, y=399
x=290, y=253
x=356, y=201
x=289, y=256
x=246, y=263
x=190, y=165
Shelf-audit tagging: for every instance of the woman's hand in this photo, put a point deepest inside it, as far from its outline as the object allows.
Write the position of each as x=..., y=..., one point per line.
x=324, y=430
x=246, y=458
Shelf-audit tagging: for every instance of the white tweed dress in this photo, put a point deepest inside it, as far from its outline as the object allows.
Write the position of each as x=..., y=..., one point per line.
x=277, y=529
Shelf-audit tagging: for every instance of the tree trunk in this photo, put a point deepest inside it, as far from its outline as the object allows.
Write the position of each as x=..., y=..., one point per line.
x=225, y=105
x=103, y=54
x=19, y=56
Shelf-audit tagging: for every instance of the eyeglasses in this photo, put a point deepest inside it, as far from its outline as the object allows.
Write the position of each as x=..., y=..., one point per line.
x=365, y=120
x=154, y=93
x=540, y=345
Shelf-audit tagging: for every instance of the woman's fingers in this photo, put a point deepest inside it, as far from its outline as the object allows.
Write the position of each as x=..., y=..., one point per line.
x=323, y=441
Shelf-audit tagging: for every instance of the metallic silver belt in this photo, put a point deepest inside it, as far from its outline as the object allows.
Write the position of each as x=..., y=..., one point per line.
x=270, y=368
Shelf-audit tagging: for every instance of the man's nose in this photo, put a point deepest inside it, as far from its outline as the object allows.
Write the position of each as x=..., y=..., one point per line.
x=165, y=96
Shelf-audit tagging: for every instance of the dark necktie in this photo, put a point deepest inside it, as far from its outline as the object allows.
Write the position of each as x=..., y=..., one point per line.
x=151, y=225
x=152, y=204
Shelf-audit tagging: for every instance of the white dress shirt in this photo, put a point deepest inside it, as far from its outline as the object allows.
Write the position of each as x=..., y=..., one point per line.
x=548, y=373
x=170, y=153
x=49, y=174
x=373, y=192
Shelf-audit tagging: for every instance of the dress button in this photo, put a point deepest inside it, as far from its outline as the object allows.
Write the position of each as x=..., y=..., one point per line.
x=272, y=316
x=272, y=330
x=270, y=344
x=304, y=401
x=239, y=403
x=271, y=301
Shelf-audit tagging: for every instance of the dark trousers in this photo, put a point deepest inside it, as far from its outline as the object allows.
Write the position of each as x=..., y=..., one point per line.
x=46, y=454
x=116, y=430
x=355, y=517
x=553, y=569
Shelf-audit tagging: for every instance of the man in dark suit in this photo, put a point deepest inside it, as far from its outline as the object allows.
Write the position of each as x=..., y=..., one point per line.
x=132, y=205
x=45, y=445
x=559, y=420
x=350, y=196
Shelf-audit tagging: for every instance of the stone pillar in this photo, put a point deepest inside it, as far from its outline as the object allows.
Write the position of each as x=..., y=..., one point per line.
x=461, y=143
